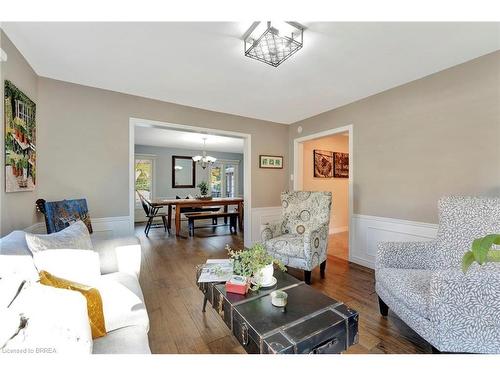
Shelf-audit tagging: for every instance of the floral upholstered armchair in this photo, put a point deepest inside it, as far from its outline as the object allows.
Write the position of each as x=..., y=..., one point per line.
x=300, y=238
x=422, y=282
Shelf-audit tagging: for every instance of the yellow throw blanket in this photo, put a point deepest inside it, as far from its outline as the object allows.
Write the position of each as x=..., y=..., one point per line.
x=94, y=301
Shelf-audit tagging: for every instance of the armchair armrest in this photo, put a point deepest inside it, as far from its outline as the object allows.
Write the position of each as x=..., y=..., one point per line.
x=121, y=254
x=410, y=255
x=465, y=309
x=270, y=230
x=315, y=245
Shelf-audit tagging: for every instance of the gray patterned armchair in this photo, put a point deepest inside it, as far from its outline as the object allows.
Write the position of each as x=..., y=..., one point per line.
x=300, y=239
x=423, y=284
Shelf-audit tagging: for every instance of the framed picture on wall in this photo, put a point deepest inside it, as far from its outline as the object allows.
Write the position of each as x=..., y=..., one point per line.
x=341, y=165
x=20, y=140
x=271, y=162
x=323, y=164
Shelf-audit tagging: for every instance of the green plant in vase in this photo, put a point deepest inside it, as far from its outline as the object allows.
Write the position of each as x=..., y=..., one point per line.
x=203, y=186
x=254, y=262
x=482, y=251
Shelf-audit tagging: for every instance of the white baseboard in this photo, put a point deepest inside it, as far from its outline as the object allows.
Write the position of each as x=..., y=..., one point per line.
x=263, y=215
x=367, y=231
x=338, y=230
x=116, y=226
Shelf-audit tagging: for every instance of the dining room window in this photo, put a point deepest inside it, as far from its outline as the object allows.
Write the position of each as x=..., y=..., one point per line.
x=144, y=168
x=224, y=178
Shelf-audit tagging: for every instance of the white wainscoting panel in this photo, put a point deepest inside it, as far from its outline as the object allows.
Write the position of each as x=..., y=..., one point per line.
x=367, y=231
x=108, y=227
x=263, y=215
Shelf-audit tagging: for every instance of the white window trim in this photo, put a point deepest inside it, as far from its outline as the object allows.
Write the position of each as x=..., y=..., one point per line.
x=153, y=169
x=236, y=176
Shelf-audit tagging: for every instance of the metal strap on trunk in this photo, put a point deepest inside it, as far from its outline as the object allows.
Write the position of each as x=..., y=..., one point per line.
x=283, y=328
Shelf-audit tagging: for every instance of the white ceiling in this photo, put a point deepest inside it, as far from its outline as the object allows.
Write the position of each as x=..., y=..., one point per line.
x=202, y=64
x=161, y=137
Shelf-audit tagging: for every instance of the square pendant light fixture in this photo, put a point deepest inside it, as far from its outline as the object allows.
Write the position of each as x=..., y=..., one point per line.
x=273, y=43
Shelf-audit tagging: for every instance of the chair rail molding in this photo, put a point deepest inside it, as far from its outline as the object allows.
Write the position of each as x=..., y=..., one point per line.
x=263, y=215
x=116, y=226
x=367, y=231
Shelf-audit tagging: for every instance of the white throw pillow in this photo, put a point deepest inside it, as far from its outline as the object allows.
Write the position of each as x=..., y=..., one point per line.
x=57, y=322
x=76, y=236
x=118, y=303
x=81, y=266
x=11, y=321
x=18, y=267
x=9, y=288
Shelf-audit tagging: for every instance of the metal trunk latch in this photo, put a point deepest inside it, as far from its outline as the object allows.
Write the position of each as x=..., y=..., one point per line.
x=220, y=307
x=244, y=334
x=325, y=347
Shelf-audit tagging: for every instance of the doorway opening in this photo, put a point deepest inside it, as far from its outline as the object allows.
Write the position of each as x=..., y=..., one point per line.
x=163, y=166
x=323, y=162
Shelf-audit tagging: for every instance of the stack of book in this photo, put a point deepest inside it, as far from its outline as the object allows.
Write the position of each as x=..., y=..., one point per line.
x=237, y=284
x=221, y=270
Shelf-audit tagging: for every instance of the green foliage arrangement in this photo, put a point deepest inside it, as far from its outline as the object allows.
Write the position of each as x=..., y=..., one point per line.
x=249, y=261
x=203, y=188
x=482, y=252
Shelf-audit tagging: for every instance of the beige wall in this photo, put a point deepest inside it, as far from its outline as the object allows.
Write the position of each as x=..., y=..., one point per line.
x=17, y=210
x=338, y=186
x=412, y=144
x=83, y=144
x=435, y=136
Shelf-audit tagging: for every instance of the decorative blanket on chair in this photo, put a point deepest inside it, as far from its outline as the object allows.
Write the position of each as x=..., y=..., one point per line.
x=60, y=214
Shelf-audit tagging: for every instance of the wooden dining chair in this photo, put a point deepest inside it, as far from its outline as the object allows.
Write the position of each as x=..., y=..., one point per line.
x=152, y=213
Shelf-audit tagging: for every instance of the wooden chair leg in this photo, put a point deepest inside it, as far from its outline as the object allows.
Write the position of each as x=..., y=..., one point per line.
x=307, y=277
x=164, y=219
x=148, y=226
x=384, y=309
x=191, y=227
x=232, y=224
x=322, y=268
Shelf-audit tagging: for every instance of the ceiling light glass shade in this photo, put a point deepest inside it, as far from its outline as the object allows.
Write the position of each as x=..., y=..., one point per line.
x=204, y=160
x=274, y=45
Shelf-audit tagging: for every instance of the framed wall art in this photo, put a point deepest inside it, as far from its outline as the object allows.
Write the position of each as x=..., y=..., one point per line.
x=323, y=164
x=20, y=140
x=271, y=162
x=341, y=165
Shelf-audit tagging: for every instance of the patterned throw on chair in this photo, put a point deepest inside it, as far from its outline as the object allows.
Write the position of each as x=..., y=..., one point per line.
x=422, y=282
x=300, y=238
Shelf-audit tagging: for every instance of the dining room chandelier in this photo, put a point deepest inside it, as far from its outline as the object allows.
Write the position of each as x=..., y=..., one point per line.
x=273, y=43
x=204, y=160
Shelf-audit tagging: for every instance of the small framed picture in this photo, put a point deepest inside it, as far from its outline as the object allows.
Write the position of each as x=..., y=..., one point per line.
x=271, y=162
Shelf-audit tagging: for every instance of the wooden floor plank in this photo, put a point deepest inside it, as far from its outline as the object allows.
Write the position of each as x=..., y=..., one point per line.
x=177, y=324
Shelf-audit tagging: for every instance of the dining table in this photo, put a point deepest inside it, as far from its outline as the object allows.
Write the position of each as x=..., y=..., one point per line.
x=158, y=203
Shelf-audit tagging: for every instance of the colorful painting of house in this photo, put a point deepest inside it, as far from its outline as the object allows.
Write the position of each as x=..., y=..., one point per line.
x=20, y=140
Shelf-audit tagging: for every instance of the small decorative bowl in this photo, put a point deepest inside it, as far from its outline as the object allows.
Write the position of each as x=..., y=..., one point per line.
x=279, y=298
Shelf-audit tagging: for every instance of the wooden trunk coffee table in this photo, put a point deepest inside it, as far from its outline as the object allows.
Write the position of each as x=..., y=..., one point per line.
x=311, y=322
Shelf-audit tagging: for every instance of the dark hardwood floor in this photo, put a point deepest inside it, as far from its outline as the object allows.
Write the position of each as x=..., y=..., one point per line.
x=174, y=301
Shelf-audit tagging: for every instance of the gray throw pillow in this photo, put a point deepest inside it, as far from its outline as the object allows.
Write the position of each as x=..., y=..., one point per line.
x=76, y=236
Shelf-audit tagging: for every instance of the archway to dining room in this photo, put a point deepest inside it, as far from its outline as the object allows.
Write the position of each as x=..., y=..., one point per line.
x=194, y=181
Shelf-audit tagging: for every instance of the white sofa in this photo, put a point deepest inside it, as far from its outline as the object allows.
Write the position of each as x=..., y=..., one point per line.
x=120, y=260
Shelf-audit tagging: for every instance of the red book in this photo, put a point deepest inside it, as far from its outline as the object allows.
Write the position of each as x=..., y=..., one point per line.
x=237, y=284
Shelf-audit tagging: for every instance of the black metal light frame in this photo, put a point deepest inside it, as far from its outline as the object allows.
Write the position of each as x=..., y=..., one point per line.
x=297, y=42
